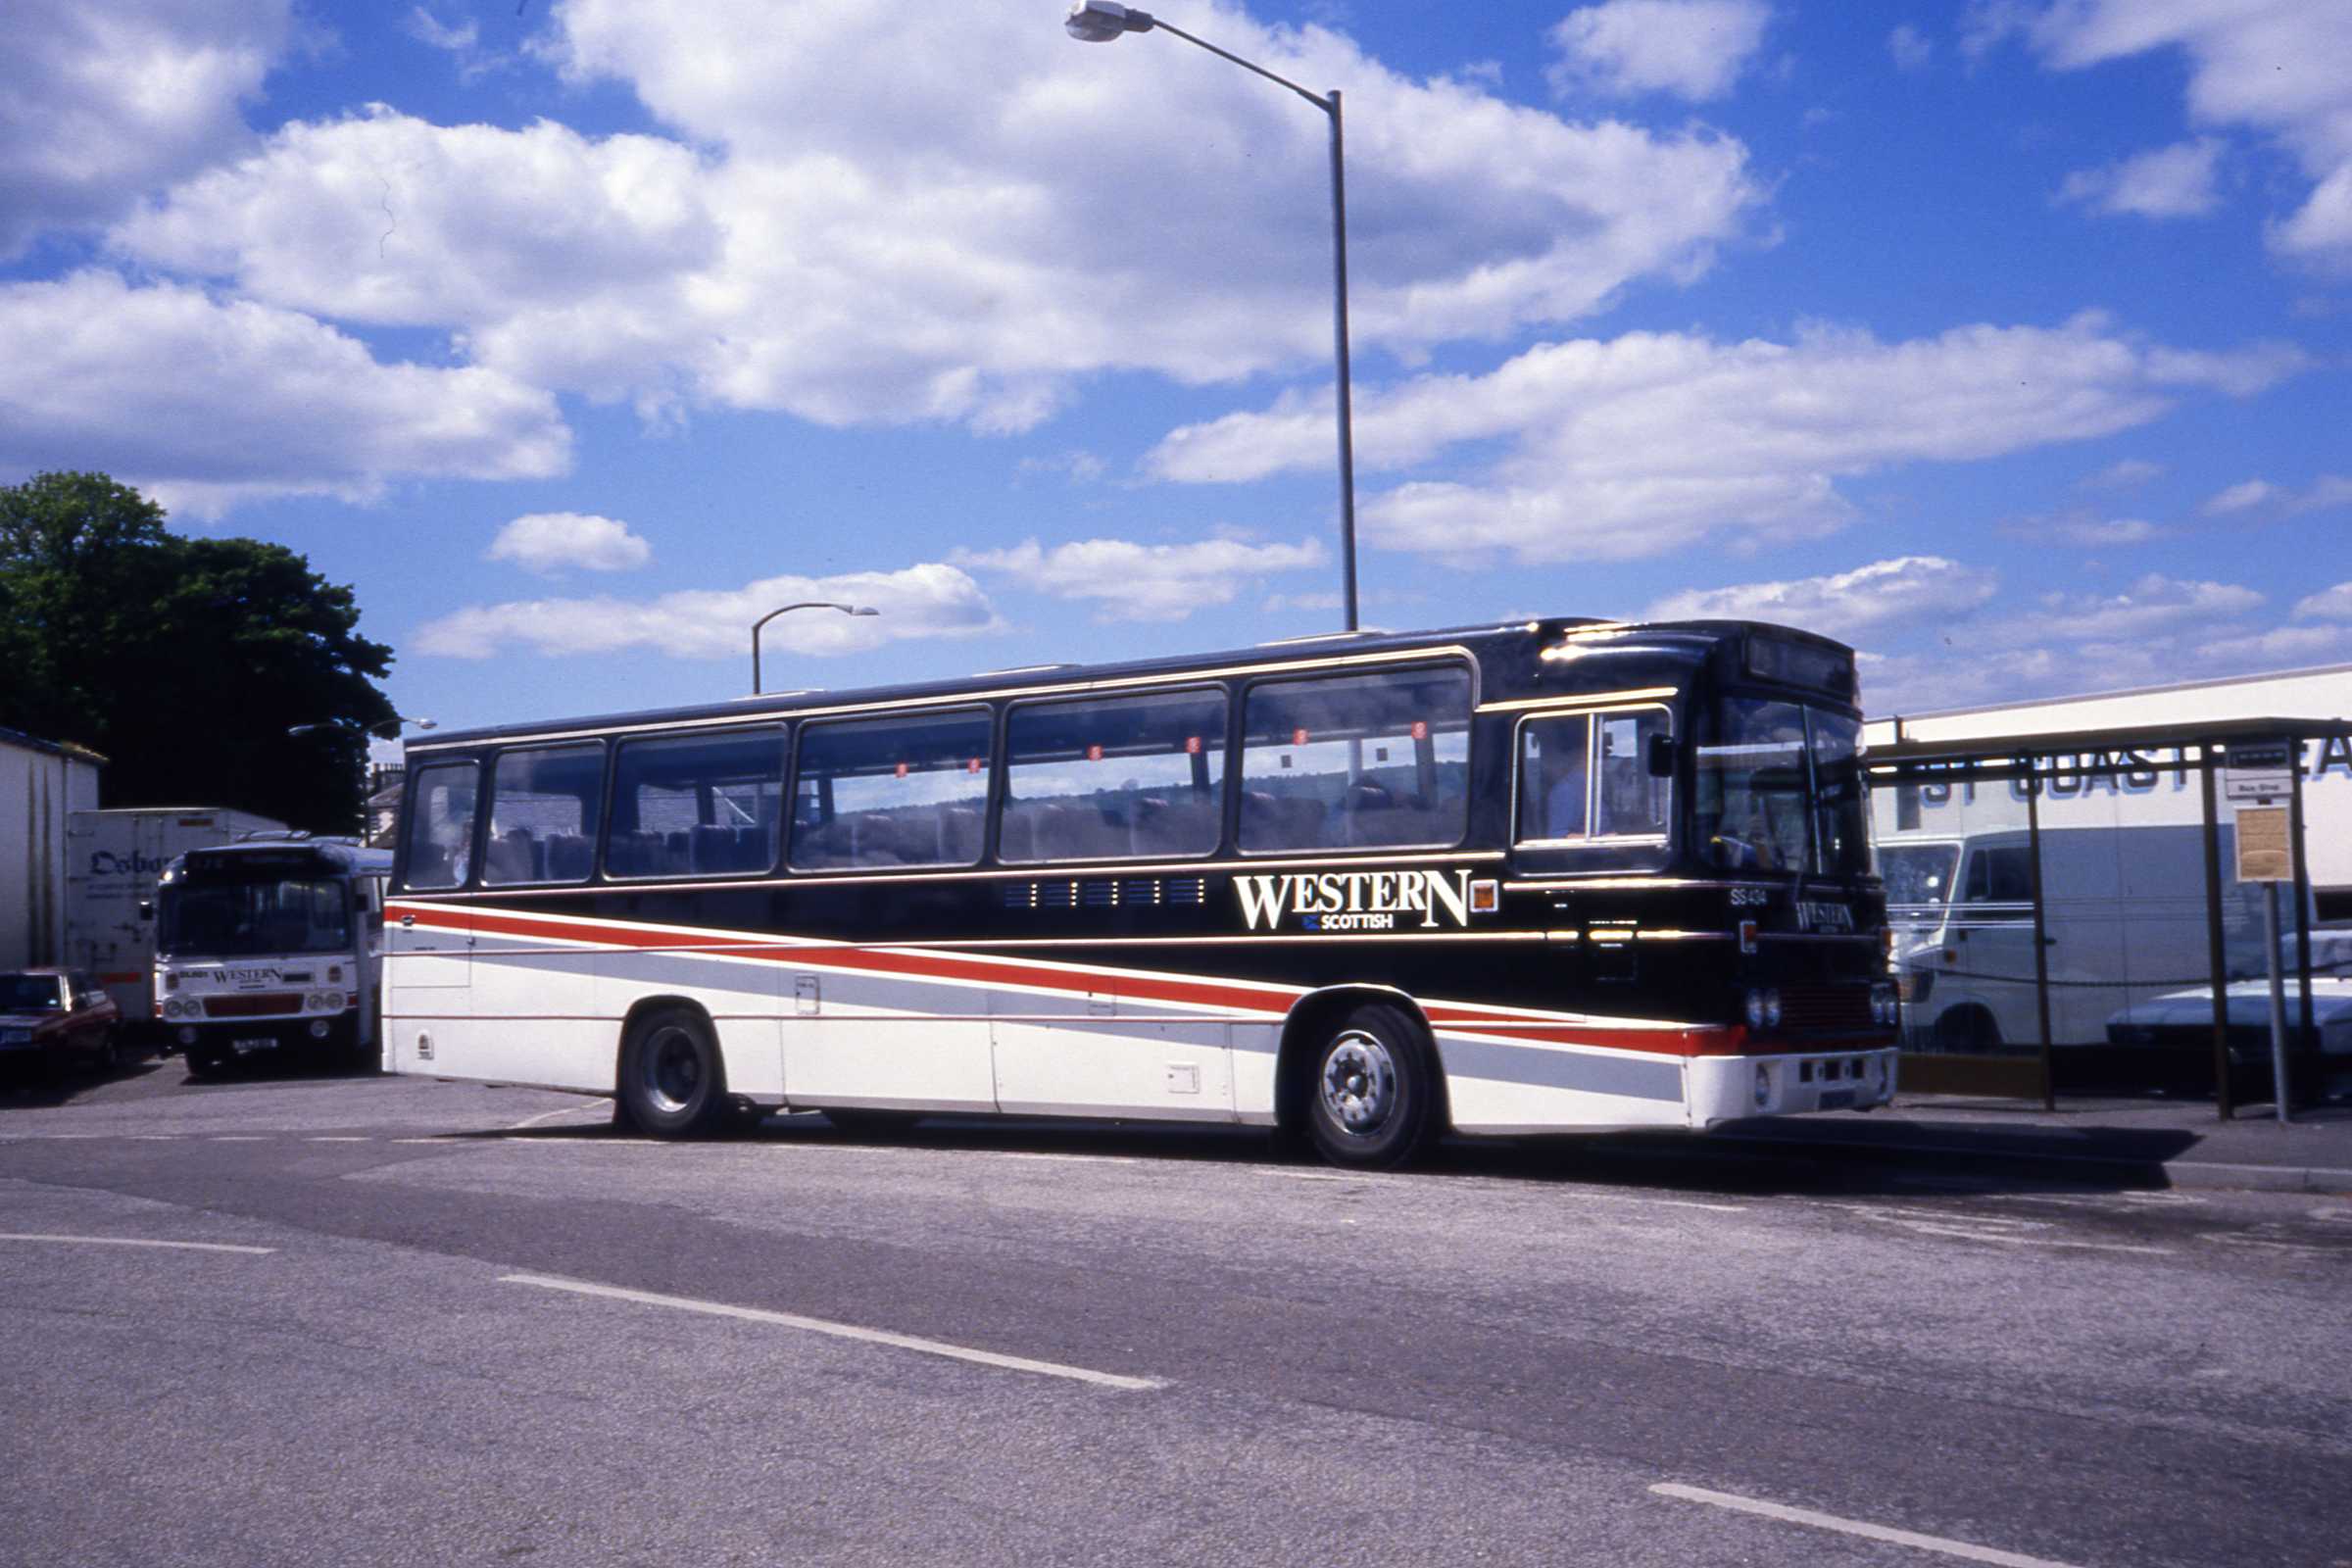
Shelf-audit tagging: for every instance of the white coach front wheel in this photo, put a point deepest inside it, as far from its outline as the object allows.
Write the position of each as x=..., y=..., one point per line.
x=1372, y=1101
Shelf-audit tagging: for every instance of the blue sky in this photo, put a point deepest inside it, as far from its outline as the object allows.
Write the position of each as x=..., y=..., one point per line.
x=2010, y=341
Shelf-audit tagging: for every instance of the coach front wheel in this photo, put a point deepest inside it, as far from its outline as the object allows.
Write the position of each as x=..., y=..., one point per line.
x=672, y=1083
x=1372, y=1101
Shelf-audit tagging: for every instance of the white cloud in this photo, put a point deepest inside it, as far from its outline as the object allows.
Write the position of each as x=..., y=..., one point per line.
x=2155, y=605
x=100, y=103
x=1654, y=442
x=2130, y=473
x=931, y=600
x=204, y=404
x=1875, y=598
x=553, y=542
x=2169, y=182
x=815, y=245
x=1131, y=581
x=1912, y=49
x=2329, y=604
x=505, y=235
x=1692, y=48
x=2278, y=648
x=2087, y=529
x=2274, y=65
x=2273, y=501
x=2243, y=496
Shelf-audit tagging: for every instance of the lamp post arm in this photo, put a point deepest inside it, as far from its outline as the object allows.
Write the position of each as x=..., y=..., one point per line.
x=1329, y=106
x=806, y=604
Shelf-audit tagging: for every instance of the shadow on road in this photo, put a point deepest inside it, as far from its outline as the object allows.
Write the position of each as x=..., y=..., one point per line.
x=1742, y=1164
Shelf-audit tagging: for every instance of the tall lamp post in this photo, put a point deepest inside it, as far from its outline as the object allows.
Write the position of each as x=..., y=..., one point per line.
x=780, y=610
x=1101, y=22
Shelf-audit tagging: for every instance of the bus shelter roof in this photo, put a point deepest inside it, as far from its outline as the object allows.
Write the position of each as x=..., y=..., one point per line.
x=2124, y=749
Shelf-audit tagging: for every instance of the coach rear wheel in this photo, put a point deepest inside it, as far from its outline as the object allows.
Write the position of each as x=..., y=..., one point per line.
x=672, y=1083
x=1373, y=1099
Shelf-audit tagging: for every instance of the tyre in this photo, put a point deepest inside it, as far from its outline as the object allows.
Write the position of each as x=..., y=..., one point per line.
x=873, y=1123
x=202, y=1062
x=672, y=1083
x=1374, y=1100
x=1967, y=1032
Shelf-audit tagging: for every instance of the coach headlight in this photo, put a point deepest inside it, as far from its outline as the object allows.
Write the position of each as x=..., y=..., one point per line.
x=1885, y=1010
x=1763, y=1086
x=1764, y=1008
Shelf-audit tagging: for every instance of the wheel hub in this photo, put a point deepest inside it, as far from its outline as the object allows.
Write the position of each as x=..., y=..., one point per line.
x=674, y=1070
x=1358, y=1086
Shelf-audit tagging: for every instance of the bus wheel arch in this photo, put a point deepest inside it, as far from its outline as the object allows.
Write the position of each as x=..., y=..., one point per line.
x=1358, y=1078
x=670, y=1077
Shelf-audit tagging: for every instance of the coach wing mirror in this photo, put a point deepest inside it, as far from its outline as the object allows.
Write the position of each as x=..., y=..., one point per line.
x=1658, y=756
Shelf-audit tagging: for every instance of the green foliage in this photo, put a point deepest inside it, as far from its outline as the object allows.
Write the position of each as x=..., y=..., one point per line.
x=184, y=661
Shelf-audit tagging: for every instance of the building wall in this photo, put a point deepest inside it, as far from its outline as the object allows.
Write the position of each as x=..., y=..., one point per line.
x=39, y=784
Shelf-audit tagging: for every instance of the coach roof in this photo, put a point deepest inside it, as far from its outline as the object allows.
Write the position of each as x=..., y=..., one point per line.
x=1664, y=645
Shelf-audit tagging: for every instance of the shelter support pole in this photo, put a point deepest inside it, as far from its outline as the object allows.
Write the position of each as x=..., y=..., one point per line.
x=2309, y=1036
x=2215, y=962
x=2041, y=939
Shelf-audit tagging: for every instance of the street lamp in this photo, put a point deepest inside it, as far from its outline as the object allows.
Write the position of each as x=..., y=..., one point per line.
x=1103, y=21
x=806, y=604
x=398, y=719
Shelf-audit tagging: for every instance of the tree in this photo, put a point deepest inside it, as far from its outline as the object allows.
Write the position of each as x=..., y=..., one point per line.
x=184, y=661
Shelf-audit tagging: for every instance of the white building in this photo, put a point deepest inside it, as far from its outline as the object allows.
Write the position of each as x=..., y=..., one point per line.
x=41, y=783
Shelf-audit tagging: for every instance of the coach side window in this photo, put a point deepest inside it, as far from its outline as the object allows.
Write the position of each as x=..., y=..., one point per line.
x=1349, y=761
x=891, y=792
x=544, y=803
x=1114, y=779
x=440, y=836
x=696, y=805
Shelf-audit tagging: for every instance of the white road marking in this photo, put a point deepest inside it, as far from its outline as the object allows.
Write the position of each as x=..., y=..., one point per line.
x=1079, y=1160
x=1854, y=1527
x=238, y=1138
x=562, y=1111
x=2270, y=1244
x=133, y=1240
x=1684, y=1202
x=1992, y=1228
x=839, y=1331
x=1961, y=1232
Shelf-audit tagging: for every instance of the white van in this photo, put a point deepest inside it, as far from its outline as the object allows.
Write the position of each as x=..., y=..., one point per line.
x=2122, y=921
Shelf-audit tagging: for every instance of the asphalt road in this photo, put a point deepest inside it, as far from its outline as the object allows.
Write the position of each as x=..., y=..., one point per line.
x=409, y=1322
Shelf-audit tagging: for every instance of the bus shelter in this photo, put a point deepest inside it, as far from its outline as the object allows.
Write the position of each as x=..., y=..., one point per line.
x=2068, y=913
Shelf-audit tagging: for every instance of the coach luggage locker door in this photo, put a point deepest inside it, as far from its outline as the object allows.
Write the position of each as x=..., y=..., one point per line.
x=427, y=979
x=892, y=1040
x=1095, y=1052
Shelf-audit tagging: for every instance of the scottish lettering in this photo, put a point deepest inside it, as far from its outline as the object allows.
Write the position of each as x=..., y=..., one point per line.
x=1356, y=900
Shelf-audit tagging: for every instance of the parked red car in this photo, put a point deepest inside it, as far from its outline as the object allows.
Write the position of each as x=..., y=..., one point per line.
x=54, y=1015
